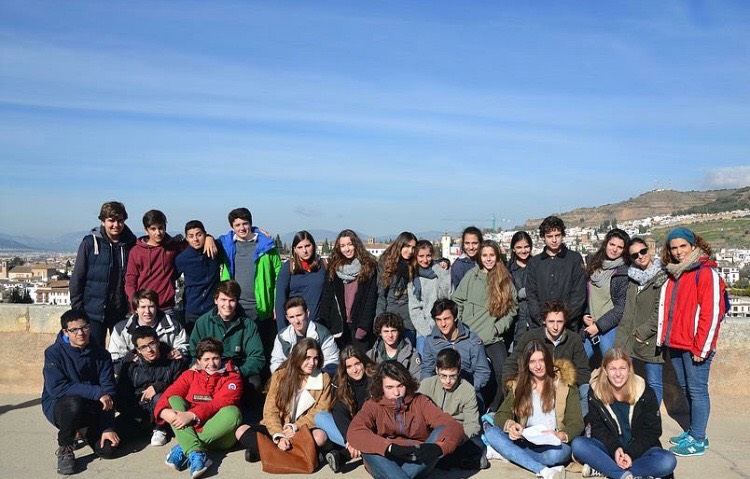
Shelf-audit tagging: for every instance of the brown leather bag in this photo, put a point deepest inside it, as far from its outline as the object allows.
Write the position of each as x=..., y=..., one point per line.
x=302, y=458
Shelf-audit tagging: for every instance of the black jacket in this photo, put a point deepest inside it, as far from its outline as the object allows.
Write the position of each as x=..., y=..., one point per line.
x=97, y=284
x=333, y=308
x=645, y=422
x=556, y=277
x=570, y=348
x=136, y=376
x=341, y=415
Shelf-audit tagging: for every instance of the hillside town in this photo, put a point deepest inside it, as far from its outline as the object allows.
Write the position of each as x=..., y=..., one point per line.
x=42, y=277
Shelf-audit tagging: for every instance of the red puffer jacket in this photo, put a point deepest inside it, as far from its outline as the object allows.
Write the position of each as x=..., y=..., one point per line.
x=691, y=309
x=206, y=393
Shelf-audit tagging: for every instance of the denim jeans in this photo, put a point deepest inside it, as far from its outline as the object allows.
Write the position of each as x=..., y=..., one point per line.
x=583, y=395
x=324, y=420
x=525, y=454
x=655, y=462
x=420, y=344
x=654, y=379
x=693, y=379
x=382, y=467
x=606, y=342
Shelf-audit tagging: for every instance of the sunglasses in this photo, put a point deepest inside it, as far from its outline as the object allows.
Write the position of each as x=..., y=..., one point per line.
x=640, y=253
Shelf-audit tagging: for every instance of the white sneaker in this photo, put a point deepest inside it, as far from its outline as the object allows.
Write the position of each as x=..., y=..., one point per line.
x=158, y=437
x=589, y=471
x=557, y=472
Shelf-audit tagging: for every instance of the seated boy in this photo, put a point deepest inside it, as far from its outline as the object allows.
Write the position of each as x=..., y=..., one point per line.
x=562, y=343
x=238, y=334
x=201, y=408
x=392, y=345
x=79, y=391
x=201, y=274
x=147, y=313
x=301, y=327
x=151, y=263
x=141, y=382
x=457, y=397
x=450, y=333
x=97, y=285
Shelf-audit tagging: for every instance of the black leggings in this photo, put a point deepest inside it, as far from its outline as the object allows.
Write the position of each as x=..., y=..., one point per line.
x=497, y=353
x=73, y=413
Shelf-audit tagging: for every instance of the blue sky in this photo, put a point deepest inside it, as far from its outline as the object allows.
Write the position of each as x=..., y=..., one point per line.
x=379, y=116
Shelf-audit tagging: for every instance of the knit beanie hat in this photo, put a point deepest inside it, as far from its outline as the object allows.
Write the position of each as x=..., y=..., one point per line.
x=682, y=233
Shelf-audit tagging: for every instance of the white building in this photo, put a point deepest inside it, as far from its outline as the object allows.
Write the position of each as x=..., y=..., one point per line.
x=739, y=306
x=730, y=274
x=56, y=292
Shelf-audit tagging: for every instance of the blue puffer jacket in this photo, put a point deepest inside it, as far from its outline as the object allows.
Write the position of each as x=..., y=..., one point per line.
x=90, y=287
x=459, y=268
x=475, y=367
x=201, y=278
x=70, y=371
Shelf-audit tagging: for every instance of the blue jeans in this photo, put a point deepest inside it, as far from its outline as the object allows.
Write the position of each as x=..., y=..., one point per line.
x=324, y=420
x=606, y=342
x=382, y=467
x=655, y=462
x=583, y=395
x=693, y=379
x=420, y=344
x=529, y=456
x=654, y=379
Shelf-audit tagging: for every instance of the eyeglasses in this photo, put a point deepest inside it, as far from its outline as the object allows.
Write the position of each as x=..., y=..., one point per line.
x=81, y=330
x=640, y=253
x=448, y=377
x=150, y=346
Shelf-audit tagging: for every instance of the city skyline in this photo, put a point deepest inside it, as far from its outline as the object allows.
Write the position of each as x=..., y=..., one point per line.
x=374, y=116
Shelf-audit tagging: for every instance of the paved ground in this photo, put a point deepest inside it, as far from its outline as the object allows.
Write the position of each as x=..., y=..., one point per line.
x=27, y=444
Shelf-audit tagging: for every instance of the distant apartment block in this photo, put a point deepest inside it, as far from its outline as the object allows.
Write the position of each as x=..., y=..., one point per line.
x=56, y=292
x=31, y=272
x=375, y=249
x=740, y=306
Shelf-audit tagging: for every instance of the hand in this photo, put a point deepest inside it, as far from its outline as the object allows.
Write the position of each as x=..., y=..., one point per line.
x=182, y=419
x=355, y=453
x=428, y=452
x=148, y=393
x=175, y=354
x=588, y=320
x=209, y=248
x=515, y=430
x=558, y=434
x=360, y=334
x=289, y=430
x=405, y=453
x=112, y=436
x=623, y=460
x=107, y=402
x=592, y=330
x=698, y=359
x=284, y=444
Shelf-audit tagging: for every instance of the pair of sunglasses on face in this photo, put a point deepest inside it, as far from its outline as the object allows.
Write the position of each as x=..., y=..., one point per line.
x=638, y=254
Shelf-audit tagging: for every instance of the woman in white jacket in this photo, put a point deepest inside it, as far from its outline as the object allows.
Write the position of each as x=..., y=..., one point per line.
x=429, y=284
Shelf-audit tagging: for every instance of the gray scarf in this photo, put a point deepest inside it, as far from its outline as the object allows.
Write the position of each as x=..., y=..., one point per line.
x=423, y=273
x=676, y=269
x=349, y=272
x=643, y=276
x=600, y=277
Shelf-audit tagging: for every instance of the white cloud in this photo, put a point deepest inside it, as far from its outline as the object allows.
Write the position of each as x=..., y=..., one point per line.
x=728, y=177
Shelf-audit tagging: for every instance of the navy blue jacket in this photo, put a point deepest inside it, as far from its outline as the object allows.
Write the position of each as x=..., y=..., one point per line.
x=70, y=371
x=201, y=278
x=97, y=284
x=307, y=285
x=459, y=268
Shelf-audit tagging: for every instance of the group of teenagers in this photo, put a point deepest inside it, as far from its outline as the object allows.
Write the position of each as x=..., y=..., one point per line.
x=405, y=362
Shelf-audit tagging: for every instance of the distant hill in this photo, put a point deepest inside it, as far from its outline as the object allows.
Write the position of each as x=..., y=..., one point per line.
x=654, y=203
x=7, y=242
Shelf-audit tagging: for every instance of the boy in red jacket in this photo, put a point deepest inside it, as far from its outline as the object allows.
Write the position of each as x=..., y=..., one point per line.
x=201, y=407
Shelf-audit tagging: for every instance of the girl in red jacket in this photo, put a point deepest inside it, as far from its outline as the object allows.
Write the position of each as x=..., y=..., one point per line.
x=691, y=306
x=201, y=407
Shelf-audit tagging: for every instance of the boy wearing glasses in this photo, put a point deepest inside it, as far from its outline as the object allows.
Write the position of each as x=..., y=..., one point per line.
x=457, y=397
x=79, y=391
x=145, y=303
x=141, y=382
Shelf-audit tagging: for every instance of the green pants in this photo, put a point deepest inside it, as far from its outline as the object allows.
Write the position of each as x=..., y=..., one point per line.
x=217, y=432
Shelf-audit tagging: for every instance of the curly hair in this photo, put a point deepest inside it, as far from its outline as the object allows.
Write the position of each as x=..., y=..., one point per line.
x=666, y=254
x=499, y=283
x=392, y=254
x=337, y=259
x=550, y=224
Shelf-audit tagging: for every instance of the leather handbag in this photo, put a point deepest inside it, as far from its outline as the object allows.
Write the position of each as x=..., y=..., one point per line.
x=302, y=458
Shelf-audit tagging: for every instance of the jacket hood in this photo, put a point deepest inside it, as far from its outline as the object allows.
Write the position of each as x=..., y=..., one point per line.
x=127, y=237
x=565, y=373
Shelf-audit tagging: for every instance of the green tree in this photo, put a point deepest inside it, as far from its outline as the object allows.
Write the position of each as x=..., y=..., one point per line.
x=326, y=248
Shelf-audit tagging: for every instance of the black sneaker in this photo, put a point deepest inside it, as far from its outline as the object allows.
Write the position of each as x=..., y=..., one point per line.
x=251, y=456
x=337, y=459
x=66, y=460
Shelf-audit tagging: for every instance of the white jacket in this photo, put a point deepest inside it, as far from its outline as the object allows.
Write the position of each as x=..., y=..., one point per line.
x=287, y=338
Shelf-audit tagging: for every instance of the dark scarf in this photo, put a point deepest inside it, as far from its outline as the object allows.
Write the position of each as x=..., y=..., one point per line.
x=427, y=273
x=402, y=274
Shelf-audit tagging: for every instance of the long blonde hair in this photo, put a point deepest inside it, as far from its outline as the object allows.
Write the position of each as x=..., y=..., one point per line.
x=499, y=282
x=602, y=387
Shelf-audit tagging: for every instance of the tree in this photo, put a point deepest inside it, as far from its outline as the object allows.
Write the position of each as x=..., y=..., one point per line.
x=278, y=242
x=17, y=297
x=326, y=248
x=16, y=261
